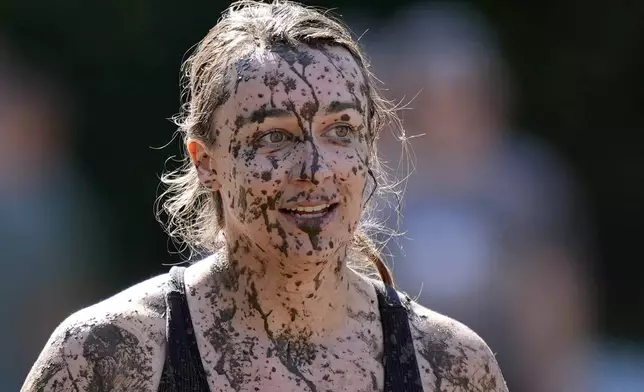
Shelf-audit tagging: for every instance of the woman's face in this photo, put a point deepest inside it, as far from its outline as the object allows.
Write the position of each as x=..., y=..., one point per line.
x=291, y=150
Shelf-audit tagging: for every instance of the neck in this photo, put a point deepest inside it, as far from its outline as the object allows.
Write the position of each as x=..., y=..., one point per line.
x=286, y=298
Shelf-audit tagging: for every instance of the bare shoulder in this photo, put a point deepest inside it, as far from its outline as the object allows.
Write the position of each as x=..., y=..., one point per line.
x=452, y=357
x=115, y=345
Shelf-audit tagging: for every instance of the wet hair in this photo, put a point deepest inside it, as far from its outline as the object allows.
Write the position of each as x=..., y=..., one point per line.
x=193, y=213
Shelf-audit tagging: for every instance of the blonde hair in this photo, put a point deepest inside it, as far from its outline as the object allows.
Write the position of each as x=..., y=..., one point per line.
x=194, y=214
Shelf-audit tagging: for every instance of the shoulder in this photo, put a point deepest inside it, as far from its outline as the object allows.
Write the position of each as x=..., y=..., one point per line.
x=117, y=344
x=452, y=357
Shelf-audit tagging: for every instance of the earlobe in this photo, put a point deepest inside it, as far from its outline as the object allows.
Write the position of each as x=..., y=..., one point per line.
x=204, y=163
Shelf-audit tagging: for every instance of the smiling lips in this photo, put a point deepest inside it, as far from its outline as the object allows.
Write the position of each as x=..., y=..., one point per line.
x=309, y=211
x=310, y=218
x=312, y=211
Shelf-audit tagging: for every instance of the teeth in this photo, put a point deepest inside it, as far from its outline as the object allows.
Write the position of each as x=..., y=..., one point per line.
x=310, y=208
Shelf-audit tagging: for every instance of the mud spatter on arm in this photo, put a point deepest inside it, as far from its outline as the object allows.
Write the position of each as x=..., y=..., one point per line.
x=451, y=357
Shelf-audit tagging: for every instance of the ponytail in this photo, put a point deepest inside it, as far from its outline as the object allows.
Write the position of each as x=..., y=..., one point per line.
x=368, y=249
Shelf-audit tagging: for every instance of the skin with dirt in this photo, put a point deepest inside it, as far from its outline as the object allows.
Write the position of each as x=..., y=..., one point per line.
x=277, y=309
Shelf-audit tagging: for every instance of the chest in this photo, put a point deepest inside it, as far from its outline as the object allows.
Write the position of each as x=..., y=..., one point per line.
x=242, y=352
x=245, y=363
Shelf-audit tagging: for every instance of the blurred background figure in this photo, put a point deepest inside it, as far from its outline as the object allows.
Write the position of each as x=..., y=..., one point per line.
x=52, y=241
x=497, y=234
x=493, y=234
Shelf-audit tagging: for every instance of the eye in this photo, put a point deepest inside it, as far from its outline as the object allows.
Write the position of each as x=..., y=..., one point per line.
x=273, y=139
x=341, y=132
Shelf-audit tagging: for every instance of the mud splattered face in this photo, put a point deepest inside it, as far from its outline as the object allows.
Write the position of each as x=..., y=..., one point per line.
x=291, y=152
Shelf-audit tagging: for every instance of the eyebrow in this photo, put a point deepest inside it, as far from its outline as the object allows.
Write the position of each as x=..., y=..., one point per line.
x=260, y=115
x=339, y=106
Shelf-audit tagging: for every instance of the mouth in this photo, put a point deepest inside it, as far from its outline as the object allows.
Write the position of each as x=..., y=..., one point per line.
x=309, y=218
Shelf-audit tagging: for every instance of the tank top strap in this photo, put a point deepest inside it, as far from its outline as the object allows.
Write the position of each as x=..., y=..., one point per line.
x=399, y=359
x=183, y=370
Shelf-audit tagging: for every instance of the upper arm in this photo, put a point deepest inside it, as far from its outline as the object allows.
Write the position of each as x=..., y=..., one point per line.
x=451, y=357
x=112, y=346
x=484, y=373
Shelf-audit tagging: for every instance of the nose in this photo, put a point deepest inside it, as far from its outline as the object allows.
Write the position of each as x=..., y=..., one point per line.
x=313, y=166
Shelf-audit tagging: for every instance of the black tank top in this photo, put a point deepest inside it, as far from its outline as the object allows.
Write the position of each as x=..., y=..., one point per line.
x=183, y=370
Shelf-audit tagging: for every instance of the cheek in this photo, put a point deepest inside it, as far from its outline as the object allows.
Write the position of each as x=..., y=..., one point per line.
x=255, y=188
x=350, y=173
x=264, y=174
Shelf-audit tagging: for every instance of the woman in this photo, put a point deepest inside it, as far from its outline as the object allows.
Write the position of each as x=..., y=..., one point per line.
x=280, y=128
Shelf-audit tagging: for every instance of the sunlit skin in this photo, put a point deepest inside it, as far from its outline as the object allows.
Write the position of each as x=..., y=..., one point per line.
x=292, y=135
x=278, y=309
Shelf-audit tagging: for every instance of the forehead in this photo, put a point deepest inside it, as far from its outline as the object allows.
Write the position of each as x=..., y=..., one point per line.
x=286, y=76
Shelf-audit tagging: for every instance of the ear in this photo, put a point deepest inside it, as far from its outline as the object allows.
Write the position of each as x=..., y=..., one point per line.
x=205, y=164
